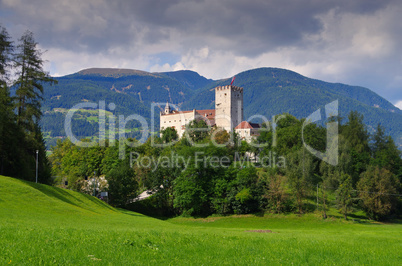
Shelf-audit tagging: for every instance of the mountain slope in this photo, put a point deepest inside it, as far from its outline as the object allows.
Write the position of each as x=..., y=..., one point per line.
x=272, y=91
x=267, y=92
x=189, y=79
x=131, y=91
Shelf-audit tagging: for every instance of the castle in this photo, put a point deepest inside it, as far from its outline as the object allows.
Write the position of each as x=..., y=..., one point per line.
x=228, y=114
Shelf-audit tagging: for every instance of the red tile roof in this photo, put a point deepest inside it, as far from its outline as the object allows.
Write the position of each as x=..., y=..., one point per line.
x=210, y=114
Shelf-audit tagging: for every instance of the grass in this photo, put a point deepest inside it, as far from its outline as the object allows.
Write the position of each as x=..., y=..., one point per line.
x=47, y=225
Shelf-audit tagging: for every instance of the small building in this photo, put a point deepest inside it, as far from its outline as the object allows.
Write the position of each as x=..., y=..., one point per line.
x=247, y=130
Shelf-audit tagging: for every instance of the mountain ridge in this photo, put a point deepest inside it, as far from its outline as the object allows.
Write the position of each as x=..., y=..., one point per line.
x=267, y=91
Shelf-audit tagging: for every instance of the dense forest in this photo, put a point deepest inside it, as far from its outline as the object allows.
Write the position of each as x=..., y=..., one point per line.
x=213, y=172
x=22, y=147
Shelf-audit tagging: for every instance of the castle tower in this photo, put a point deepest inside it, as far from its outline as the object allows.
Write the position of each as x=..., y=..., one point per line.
x=228, y=107
x=168, y=110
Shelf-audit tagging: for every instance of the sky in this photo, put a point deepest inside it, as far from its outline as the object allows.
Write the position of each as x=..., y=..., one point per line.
x=355, y=42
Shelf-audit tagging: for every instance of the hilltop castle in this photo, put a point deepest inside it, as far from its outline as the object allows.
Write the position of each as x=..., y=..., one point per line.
x=228, y=114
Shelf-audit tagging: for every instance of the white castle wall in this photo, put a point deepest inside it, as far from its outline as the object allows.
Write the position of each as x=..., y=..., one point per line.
x=177, y=120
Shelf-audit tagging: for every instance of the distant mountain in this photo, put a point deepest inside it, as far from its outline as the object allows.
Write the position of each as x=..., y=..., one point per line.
x=189, y=78
x=267, y=91
x=131, y=91
x=271, y=91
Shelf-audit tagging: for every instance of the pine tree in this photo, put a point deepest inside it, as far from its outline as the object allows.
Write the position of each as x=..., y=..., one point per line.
x=357, y=141
x=29, y=94
x=29, y=83
x=385, y=153
x=6, y=48
x=344, y=195
x=8, y=128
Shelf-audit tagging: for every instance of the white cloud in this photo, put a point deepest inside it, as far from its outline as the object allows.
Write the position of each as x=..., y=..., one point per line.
x=399, y=104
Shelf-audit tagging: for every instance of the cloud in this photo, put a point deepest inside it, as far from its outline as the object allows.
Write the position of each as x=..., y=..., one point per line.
x=355, y=42
x=399, y=104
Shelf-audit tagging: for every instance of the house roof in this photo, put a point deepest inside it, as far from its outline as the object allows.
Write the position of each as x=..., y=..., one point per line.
x=210, y=113
x=207, y=114
x=246, y=125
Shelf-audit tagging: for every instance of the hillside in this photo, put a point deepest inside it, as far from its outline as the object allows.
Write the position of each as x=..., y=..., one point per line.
x=47, y=225
x=132, y=92
x=271, y=91
x=267, y=91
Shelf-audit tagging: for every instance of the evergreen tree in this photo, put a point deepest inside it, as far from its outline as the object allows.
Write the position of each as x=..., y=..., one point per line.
x=9, y=132
x=6, y=48
x=357, y=141
x=29, y=90
x=379, y=140
x=385, y=153
x=299, y=172
x=29, y=83
x=344, y=195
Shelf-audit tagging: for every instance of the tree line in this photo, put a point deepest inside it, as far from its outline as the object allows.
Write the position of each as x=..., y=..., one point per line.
x=214, y=172
x=21, y=140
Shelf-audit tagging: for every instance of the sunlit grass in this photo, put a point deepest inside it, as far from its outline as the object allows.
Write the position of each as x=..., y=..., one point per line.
x=46, y=225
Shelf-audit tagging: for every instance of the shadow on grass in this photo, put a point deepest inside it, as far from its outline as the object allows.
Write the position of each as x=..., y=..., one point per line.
x=128, y=212
x=64, y=196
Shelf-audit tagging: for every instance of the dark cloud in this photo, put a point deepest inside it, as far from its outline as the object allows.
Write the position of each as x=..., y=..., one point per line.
x=142, y=29
x=250, y=26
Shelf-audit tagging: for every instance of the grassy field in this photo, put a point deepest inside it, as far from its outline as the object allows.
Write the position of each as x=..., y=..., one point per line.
x=46, y=225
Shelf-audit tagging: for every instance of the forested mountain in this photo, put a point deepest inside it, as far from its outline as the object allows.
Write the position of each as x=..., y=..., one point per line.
x=131, y=91
x=267, y=91
x=271, y=91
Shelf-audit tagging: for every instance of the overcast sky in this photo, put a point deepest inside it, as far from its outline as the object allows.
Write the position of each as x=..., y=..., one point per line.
x=357, y=42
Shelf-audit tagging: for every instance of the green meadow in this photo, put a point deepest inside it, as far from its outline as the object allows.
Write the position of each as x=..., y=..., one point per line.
x=42, y=225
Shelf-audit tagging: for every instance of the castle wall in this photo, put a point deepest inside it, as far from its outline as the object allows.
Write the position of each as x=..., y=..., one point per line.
x=177, y=120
